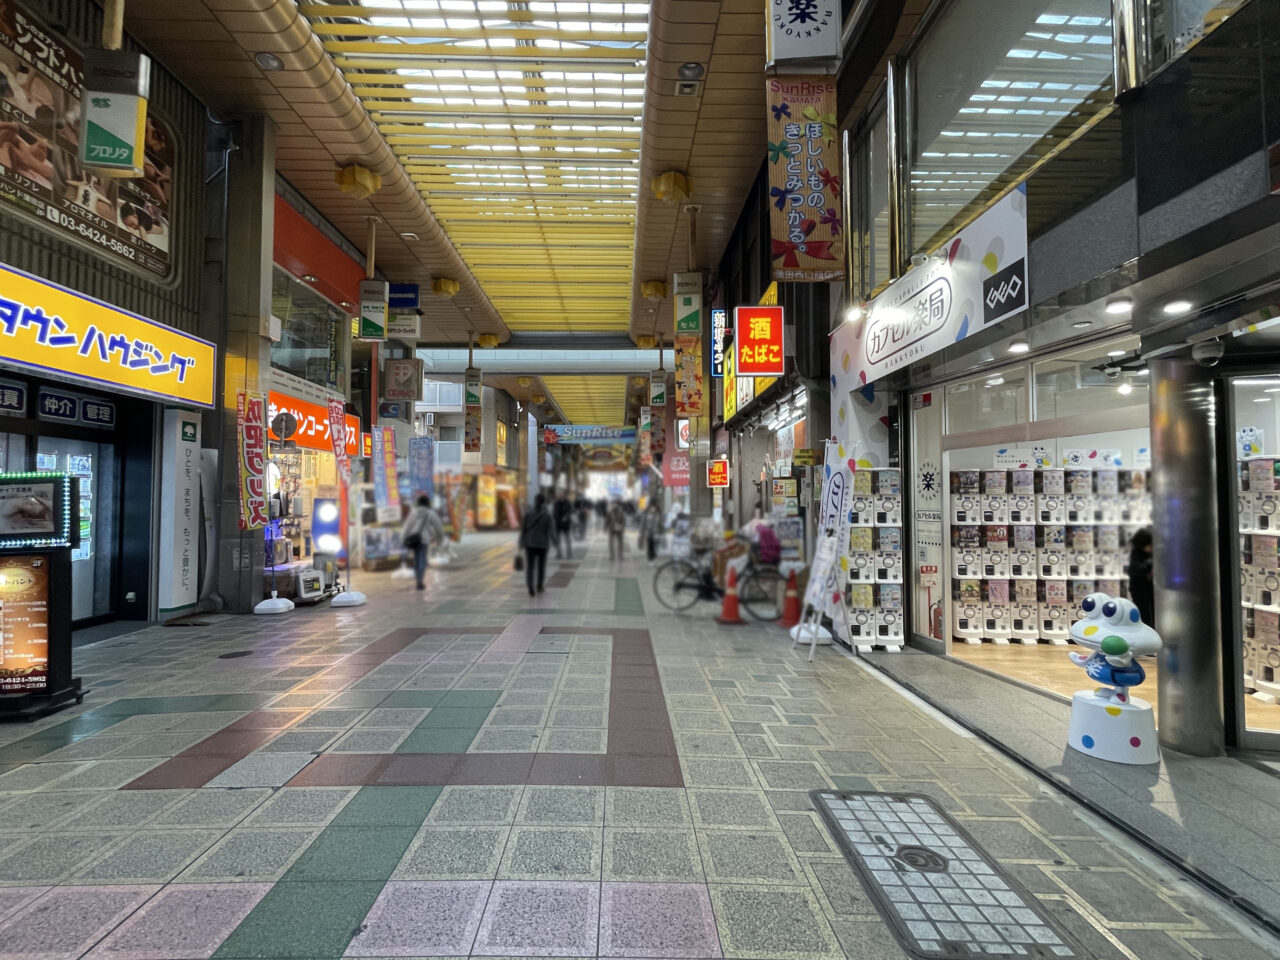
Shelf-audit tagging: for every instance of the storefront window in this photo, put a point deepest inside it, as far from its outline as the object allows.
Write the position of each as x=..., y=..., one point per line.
x=1095, y=379
x=995, y=400
x=994, y=86
x=312, y=333
x=13, y=453
x=870, y=170
x=1177, y=24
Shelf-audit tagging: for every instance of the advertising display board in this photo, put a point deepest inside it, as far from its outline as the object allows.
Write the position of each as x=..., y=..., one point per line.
x=251, y=436
x=486, y=500
x=569, y=433
x=24, y=623
x=719, y=325
x=36, y=510
x=422, y=466
x=315, y=423
x=757, y=341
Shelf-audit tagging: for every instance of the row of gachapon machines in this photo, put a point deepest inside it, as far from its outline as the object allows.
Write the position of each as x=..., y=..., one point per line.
x=1021, y=611
x=875, y=614
x=875, y=510
x=1132, y=508
x=1040, y=564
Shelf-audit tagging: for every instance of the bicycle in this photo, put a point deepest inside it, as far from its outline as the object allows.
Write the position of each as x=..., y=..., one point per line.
x=680, y=583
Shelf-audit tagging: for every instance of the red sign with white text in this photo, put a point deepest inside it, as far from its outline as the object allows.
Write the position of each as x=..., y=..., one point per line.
x=717, y=473
x=757, y=340
x=313, y=423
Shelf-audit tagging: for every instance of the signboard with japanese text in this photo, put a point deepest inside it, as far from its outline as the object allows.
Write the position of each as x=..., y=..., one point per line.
x=729, y=388
x=41, y=175
x=682, y=435
x=343, y=431
x=45, y=327
x=687, y=294
x=646, y=418
x=803, y=30
x=113, y=112
x=67, y=407
x=24, y=623
x=386, y=492
x=717, y=473
x=719, y=323
x=179, y=566
x=373, y=310
x=757, y=341
x=402, y=379
x=688, y=361
x=658, y=388
x=972, y=282
x=473, y=392
x=251, y=434
x=804, y=178
x=13, y=398
x=403, y=296
x=405, y=326
x=314, y=426
x=675, y=469
x=571, y=433
x=473, y=428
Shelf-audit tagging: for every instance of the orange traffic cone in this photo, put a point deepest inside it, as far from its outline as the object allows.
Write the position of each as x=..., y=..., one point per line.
x=791, y=605
x=729, y=612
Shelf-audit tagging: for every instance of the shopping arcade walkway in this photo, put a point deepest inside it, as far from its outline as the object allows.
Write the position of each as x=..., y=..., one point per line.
x=471, y=772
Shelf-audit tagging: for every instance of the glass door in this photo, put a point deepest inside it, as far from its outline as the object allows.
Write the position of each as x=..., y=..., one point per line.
x=93, y=562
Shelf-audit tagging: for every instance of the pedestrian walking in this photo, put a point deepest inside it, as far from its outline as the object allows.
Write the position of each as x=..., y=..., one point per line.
x=651, y=530
x=615, y=525
x=562, y=513
x=1142, y=589
x=421, y=529
x=535, y=540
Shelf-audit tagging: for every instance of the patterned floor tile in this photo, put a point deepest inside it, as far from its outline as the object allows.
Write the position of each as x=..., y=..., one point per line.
x=414, y=919
x=773, y=924
x=248, y=853
x=181, y=922
x=301, y=806
x=299, y=921
x=657, y=920
x=552, y=853
x=262, y=770
x=732, y=808
x=476, y=805
x=51, y=858
x=151, y=856
x=563, y=806
x=453, y=853
x=212, y=808
x=651, y=854
x=66, y=921
x=646, y=807
x=540, y=920
x=739, y=856
x=352, y=854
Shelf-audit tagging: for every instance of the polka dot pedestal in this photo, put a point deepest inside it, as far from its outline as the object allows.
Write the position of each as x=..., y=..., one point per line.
x=1114, y=730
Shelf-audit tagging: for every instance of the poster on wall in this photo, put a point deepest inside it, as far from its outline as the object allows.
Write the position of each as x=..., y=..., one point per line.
x=806, y=229
x=729, y=387
x=689, y=402
x=41, y=78
x=251, y=433
x=24, y=623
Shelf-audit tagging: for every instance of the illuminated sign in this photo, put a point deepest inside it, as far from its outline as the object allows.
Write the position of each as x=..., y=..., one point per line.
x=572, y=433
x=682, y=434
x=719, y=323
x=35, y=510
x=717, y=473
x=313, y=423
x=252, y=446
x=24, y=623
x=46, y=327
x=757, y=341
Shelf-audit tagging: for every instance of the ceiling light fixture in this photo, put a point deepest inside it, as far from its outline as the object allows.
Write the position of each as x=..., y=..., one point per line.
x=1120, y=307
x=1175, y=307
x=1124, y=389
x=1115, y=353
x=691, y=71
x=1081, y=324
x=995, y=381
x=268, y=61
x=1019, y=346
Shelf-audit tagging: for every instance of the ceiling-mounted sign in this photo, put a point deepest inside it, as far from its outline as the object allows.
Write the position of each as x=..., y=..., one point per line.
x=719, y=323
x=717, y=473
x=803, y=31
x=729, y=388
x=971, y=283
x=683, y=437
x=805, y=225
x=405, y=326
x=687, y=293
x=113, y=112
x=46, y=327
x=373, y=310
x=402, y=296
x=402, y=379
x=473, y=389
x=570, y=433
x=658, y=388
x=646, y=418
x=757, y=341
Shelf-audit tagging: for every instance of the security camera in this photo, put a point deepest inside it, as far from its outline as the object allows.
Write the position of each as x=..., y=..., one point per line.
x=1208, y=353
x=1111, y=373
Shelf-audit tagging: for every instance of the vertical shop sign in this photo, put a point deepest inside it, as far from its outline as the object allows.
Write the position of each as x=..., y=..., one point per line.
x=473, y=427
x=646, y=436
x=803, y=31
x=757, y=341
x=729, y=387
x=804, y=178
x=386, y=492
x=113, y=111
x=658, y=388
x=687, y=293
x=340, y=437
x=717, y=473
x=675, y=469
x=422, y=467
x=689, y=402
x=373, y=310
x=251, y=430
x=719, y=321
x=402, y=380
x=179, y=512
x=24, y=623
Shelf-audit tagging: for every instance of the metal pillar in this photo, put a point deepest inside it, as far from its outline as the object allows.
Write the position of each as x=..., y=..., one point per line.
x=251, y=193
x=1188, y=590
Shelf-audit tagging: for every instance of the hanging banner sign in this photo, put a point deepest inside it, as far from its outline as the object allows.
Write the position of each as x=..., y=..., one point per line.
x=473, y=428
x=687, y=294
x=343, y=431
x=689, y=401
x=48, y=328
x=646, y=418
x=386, y=491
x=568, y=433
x=729, y=387
x=675, y=469
x=403, y=296
x=251, y=433
x=422, y=467
x=113, y=112
x=473, y=391
x=757, y=341
x=405, y=327
x=717, y=473
x=658, y=388
x=974, y=281
x=804, y=178
x=644, y=452
x=719, y=322
x=373, y=310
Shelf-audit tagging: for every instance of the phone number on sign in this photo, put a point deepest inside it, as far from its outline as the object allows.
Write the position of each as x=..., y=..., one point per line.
x=89, y=232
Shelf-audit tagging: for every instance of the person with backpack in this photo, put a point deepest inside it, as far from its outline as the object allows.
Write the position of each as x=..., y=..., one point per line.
x=421, y=529
x=535, y=541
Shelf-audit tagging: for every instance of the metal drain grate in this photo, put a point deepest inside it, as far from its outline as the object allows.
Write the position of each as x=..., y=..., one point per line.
x=942, y=895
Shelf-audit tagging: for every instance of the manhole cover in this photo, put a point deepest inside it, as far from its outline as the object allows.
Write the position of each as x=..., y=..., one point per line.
x=942, y=895
x=235, y=653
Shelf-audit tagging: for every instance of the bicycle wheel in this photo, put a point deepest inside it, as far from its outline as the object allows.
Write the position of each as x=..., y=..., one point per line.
x=760, y=592
x=677, y=584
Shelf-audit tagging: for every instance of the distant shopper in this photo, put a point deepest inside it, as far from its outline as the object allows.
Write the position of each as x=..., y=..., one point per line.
x=563, y=515
x=535, y=540
x=1142, y=589
x=615, y=525
x=582, y=507
x=651, y=529
x=420, y=530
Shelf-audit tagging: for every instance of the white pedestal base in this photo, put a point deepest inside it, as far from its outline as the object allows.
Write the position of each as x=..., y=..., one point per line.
x=348, y=598
x=275, y=605
x=1120, y=732
x=809, y=633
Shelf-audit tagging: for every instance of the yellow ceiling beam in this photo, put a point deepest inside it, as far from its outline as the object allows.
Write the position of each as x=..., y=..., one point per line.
x=461, y=111
x=529, y=157
x=559, y=274
x=396, y=78
x=497, y=31
x=405, y=51
x=364, y=9
x=407, y=135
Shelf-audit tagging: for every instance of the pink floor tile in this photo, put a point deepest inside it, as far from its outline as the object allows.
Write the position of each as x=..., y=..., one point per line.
x=657, y=920
x=67, y=921
x=413, y=919
x=540, y=920
x=13, y=899
x=185, y=921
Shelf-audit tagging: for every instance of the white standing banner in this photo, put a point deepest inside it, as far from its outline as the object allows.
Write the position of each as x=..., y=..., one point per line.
x=971, y=283
x=178, y=589
x=837, y=500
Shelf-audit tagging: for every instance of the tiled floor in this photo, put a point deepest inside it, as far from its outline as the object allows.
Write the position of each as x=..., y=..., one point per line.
x=468, y=772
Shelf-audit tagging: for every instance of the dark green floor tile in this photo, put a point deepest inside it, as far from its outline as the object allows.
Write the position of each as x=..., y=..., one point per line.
x=413, y=698
x=388, y=807
x=470, y=698
x=470, y=718
x=626, y=598
x=441, y=740
x=800, y=719
x=723, y=683
x=240, y=701
x=352, y=853
x=302, y=920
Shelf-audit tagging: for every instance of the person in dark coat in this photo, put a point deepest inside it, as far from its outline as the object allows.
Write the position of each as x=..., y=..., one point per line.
x=535, y=540
x=563, y=515
x=1142, y=589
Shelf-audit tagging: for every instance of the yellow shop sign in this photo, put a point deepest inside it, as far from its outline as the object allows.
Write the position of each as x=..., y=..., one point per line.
x=45, y=327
